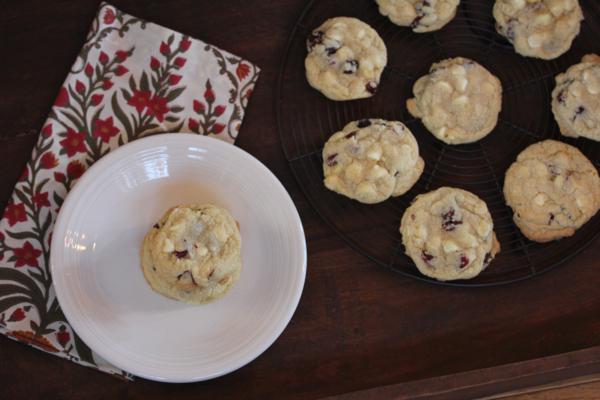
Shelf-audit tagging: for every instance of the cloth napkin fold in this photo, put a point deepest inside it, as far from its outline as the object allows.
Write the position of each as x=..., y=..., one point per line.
x=132, y=79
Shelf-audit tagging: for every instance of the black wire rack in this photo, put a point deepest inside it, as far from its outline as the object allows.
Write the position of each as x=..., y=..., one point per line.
x=305, y=120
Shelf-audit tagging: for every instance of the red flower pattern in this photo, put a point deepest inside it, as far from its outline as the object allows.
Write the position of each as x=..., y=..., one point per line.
x=41, y=200
x=63, y=336
x=139, y=100
x=174, y=79
x=165, y=50
x=242, y=71
x=89, y=70
x=109, y=16
x=158, y=107
x=179, y=62
x=15, y=213
x=47, y=130
x=219, y=110
x=96, y=99
x=193, y=124
x=209, y=95
x=17, y=315
x=103, y=58
x=154, y=63
x=48, y=160
x=121, y=55
x=218, y=128
x=184, y=45
x=105, y=129
x=59, y=177
x=121, y=70
x=79, y=86
x=24, y=175
x=198, y=106
x=75, y=169
x=62, y=100
x=107, y=84
x=74, y=142
x=27, y=255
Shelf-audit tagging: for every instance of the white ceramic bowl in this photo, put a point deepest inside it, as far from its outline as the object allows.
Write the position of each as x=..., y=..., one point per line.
x=96, y=264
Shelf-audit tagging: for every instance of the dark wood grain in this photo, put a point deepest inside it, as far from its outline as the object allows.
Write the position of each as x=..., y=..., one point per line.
x=358, y=326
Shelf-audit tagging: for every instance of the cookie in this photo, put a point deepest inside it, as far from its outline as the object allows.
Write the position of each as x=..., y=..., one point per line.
x=553, y=190
x=576, y=99
x=539, y=28
x=420, y=15
x=449, y=234
x=458, y=101
x=372, y=159
x=193, y=253
x=345, y=59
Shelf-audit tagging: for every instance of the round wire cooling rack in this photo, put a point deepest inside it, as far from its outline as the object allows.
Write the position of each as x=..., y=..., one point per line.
x=305, y=120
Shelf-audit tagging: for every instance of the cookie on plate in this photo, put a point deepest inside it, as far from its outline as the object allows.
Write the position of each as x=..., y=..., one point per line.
x=372, y=159
x=458, y=101
x=420, y=15
x=539, y=28
x=576, y=99
x=553, y=190
x=449, y=234
x=345, y=59
x=193, y=253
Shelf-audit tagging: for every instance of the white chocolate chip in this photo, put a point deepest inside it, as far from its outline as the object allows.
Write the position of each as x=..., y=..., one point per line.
x=449, y=246
x=168, y=246
x=460, y=101
x=461, y=84
x=517, y=4
x=376, y=172
x=540, y=199
x=535, y=41
x=354, y=172
x=374, y=152
x=429, y=19
x=543, y=19
x=444, y=86
x=458, y=70
x=202, y=250
x=366, y=189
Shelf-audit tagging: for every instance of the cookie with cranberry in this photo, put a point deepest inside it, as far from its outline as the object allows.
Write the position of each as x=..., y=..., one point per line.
x=449, y=234
x=345, y=59
x=372, y=159
x=192, y=253
x=539, y=28
x=420, y=15
x=576, y=99
x=553, y=190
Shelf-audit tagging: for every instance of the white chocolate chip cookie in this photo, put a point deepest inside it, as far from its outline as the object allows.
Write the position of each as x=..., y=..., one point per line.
x=193, y=253
x=576, y=99
x=420, y=15
x=539, y=28
x=345, y=59
x=458, y=101
x=553, y=190
x=449, y=234
x=372, y=159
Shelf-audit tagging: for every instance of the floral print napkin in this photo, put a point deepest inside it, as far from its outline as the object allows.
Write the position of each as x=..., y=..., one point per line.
x=132, y=79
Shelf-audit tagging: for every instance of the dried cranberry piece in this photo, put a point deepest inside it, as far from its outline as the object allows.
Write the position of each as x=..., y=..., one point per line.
x=331, y=50
x=351, y=135
x=363, y=123
x=580, y=110
x=314, y=39
x=552, y=216
x=371, y=87
x=562, y=97
x=448, y=221
x=180, y=254
x=156, y=226
x=464, y=261
x=425, y=256
x=416, y=21
x=186, y=274
x=331, y=161
x=350, y=66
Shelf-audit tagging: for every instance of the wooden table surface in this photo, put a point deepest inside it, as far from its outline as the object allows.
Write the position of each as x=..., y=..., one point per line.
x=358, y=326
